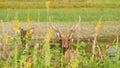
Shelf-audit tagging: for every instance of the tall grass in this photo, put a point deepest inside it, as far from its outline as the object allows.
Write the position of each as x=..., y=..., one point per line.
x=43, y=58
x=46, y=46
x=95, y=39
x=41, y=55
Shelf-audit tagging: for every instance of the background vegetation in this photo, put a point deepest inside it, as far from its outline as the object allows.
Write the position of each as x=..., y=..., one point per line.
x=62, y=15
x=61, y=10
x=60, y=3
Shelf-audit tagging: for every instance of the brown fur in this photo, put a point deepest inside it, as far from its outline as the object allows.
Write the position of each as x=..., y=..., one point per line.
x=23, y=34
x=65, y=41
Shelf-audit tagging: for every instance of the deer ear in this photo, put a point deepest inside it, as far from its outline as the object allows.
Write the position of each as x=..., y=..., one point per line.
x=31, y=31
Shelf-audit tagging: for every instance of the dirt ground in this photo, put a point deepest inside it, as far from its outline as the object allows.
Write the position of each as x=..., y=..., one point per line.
x=84, y=30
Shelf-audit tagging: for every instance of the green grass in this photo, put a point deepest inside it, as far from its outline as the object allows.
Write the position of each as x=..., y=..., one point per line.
x=62, y=15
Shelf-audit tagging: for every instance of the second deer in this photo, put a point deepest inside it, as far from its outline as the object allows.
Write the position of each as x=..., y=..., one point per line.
x=23, y=33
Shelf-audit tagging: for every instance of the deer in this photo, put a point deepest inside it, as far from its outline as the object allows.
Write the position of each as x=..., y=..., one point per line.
x=23, y=33
x=65, y=41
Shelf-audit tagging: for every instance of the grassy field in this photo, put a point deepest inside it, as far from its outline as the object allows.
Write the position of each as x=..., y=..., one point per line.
x=60, y=4
x=40, y=55
x=62, y=15
x=99, y=26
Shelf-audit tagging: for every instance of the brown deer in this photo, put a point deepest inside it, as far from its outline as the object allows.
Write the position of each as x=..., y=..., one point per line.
x=23, y=33
x=65, y=41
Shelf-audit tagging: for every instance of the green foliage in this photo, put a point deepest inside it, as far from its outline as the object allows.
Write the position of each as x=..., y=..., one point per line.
x=83, y=59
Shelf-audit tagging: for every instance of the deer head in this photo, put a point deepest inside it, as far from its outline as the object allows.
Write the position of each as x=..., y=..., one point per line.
x=65, y=40
x=23, y=34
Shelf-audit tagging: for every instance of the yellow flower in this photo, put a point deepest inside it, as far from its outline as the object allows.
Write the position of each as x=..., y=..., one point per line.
x=72, y=64
x=48, y=35
x=50, y=30
x=28, y=64
x=27, y=35
x=47, y=47
x=98, y=25
x=47, y=4
x=5, y=38
x=15, y=25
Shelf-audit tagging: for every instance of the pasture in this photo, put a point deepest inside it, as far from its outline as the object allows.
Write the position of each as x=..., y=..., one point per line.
x=83, y=34
x=62, y=15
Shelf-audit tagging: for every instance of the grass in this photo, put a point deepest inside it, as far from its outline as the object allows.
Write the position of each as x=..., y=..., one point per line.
x=62, y=15
x=40, y=55
x=60, y=4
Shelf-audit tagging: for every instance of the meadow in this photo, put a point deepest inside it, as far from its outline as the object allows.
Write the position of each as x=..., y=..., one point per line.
x=60, y=4
x=46, y=52
x=62, y=15
x=96, y=39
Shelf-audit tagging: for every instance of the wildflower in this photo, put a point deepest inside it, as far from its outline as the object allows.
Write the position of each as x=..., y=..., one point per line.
x=98, y=25
x=5, y=38
x=72, y=64
x=27, y=27
x=15, y=25
x=48, y=35
x=95, y=39
x=26, y=61
x=47, y=47
x=47, y=4
x=27, y=35
x=28, y=64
